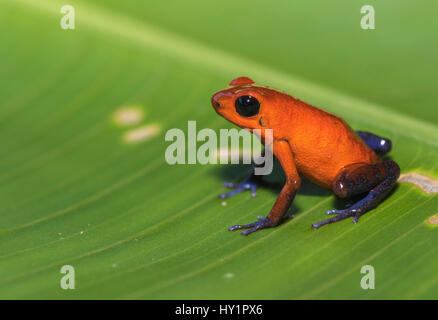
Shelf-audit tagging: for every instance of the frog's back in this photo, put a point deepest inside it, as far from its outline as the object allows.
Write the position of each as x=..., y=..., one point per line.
x=323, y=144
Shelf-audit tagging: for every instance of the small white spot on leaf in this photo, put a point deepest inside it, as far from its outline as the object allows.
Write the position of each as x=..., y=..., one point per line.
x=128, y=116
x=427, y=184
x=141, y=134
x=433, y=220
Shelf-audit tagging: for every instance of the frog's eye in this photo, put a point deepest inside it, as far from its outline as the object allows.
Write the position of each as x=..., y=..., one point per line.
x=247, y=106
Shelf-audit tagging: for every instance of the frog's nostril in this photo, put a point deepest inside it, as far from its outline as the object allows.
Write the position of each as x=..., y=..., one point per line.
x=217, y=100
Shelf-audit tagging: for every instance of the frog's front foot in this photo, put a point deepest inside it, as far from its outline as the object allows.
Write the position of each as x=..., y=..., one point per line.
x=262, y=223
x=249, y=184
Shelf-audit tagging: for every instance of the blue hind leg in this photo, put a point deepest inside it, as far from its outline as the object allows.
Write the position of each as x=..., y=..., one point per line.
x=380, y=145
x=378, y=179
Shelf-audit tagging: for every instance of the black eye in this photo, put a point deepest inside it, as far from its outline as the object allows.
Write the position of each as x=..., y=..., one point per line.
x=247, y=106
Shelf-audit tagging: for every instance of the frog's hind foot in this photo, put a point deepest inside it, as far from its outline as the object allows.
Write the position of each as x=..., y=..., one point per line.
x=341, y=215
x=380, y=145
x=250, y=184
x=378, y=179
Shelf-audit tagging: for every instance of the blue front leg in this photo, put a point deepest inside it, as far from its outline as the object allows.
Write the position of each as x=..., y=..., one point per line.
x=251, y=183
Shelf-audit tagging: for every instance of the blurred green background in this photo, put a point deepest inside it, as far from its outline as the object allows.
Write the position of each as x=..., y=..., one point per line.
x=75, y=191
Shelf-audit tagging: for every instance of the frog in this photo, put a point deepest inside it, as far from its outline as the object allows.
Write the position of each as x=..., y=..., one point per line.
x=308, y=142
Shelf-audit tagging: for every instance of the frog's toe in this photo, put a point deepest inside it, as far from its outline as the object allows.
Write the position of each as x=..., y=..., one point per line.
x=240, y=187
x=261, y=223
x=334, y=211
x=340, y=215
x=231, y=193
x=350, y=211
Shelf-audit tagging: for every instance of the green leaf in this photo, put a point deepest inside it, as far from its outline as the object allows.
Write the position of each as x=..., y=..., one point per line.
x=75, y=189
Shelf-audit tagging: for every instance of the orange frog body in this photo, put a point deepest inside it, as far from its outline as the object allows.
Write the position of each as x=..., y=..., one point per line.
x=312, y=143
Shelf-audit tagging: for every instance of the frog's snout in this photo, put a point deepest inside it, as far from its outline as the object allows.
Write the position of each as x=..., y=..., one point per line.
x=215, y=100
